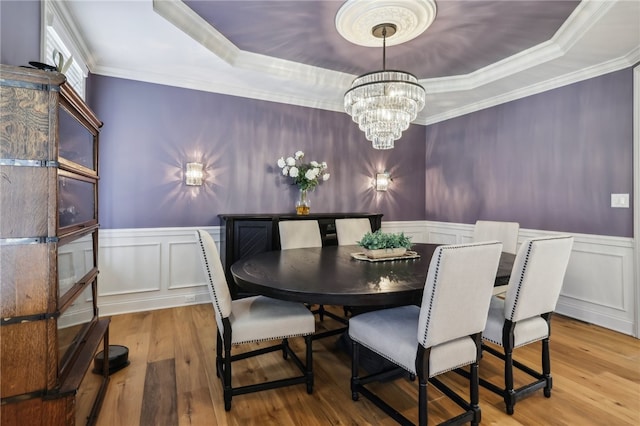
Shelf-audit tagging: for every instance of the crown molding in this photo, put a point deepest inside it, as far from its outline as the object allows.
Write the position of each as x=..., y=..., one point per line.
x=57, y=15
x=549, y=65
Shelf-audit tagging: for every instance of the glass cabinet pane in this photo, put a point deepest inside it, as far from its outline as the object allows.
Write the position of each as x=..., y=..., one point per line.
x=77, y=143
x=76, y=201
x=73, y=323
x=75, y=260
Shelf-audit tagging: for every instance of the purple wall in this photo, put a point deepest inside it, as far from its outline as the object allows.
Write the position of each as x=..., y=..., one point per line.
x=549, y=161
x=151, y=131
x=19, y=32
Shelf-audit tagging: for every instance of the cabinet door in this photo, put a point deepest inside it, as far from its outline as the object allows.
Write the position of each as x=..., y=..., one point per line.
x=249, y=237
x=252, y=237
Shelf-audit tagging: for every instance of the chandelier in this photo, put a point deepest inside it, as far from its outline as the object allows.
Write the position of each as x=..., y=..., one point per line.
x=383, y=103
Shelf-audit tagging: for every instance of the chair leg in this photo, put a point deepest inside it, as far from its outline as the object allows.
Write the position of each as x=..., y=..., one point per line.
x=355, y=359
x=474, y=395
x=226, y=369
x=546, y=367
x=226, y=379
x=321, y=312
x=308, y=341
x=285, y=347
x=422, y=401
x=509, y=393
x=219, y=359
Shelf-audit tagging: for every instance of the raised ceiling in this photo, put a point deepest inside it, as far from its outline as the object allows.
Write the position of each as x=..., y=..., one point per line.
x=475, y=54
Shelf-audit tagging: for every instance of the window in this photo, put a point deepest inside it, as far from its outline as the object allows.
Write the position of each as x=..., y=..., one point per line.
x=55, y=38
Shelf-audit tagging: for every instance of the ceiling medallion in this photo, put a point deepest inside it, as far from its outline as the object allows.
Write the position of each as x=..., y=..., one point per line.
x=355, y=18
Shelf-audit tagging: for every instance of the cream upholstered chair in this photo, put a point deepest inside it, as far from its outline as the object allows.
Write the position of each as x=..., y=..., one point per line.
x=252, y=319
x=505, y=232
x=299, y=234
x=524, y=315
x=303, y=233
x=443, y=334
x=350, y=231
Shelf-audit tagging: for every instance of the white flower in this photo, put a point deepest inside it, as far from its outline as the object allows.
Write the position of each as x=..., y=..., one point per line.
x=305, y=175
x=311, y=174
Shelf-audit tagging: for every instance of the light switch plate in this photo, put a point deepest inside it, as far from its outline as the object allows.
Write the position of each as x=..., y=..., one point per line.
x=620, y=201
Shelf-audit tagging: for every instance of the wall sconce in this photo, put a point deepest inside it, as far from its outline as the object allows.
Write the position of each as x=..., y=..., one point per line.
x=194, y=174
x=382, y=181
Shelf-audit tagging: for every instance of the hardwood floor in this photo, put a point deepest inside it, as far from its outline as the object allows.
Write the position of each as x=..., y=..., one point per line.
x=172, y=380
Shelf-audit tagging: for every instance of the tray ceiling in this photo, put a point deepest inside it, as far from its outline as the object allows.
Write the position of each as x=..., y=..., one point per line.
x=475, y=54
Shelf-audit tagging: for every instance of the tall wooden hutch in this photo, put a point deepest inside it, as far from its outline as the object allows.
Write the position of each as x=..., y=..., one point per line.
x=49, y=324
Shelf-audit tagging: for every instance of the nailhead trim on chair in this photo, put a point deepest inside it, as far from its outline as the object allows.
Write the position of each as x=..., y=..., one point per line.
x=520, y=281
x=435, y=279
x=270, y=338
x=524, y=272
x=211, y=286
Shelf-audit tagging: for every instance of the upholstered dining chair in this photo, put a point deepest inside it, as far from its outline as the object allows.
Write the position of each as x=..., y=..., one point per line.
x=303, y=234
x=505, y=232
x=249, y=320
x=523, y=316
x=443, y=334
x=350, y=231
x=299, y=234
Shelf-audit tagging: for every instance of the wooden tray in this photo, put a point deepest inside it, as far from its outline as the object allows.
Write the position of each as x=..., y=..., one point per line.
x=407, y=255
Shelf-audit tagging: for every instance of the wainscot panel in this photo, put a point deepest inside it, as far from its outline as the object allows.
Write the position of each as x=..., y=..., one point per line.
x=150, y=268
x=146, y=269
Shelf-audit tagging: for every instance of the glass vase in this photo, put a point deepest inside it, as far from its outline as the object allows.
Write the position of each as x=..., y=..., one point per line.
x=303, y=207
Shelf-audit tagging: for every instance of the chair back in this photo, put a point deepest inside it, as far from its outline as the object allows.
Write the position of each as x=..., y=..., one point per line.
x=505, y=232
x=350, y=231
x=458, y=290
x=537, y=277
x=214, y=275
x=299, y=234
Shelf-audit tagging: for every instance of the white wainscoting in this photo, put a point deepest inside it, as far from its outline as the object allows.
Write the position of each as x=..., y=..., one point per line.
x=154, y=268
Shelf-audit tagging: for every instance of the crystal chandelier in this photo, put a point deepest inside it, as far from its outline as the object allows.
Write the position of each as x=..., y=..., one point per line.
x=383, y=103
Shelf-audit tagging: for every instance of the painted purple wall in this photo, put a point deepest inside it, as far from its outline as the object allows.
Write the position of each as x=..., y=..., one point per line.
x=549, y=161
x=151, y=131
x=19, y=32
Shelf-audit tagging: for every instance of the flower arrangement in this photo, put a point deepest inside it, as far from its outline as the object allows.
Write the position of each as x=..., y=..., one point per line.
x=305, y=175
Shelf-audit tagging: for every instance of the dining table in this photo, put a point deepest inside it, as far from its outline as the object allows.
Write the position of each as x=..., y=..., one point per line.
x=343, y=276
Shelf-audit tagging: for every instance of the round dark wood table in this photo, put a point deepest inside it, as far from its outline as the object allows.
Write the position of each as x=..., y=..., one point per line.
x=331, y=276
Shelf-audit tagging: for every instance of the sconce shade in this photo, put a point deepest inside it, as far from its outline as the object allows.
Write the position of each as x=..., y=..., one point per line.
x=382, y=181
x=194, y=174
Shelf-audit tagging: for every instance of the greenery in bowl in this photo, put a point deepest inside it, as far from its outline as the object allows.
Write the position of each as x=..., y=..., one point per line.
x=379, y=240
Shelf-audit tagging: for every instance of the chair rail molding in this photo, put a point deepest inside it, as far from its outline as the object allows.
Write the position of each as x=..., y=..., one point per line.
x=155, y=268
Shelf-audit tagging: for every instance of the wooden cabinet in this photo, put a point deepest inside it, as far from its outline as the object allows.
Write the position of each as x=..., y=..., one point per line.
x=49, y=323
x=249, y=234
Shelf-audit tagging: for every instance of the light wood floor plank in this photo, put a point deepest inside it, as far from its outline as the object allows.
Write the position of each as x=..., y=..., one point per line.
x=596, y=374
